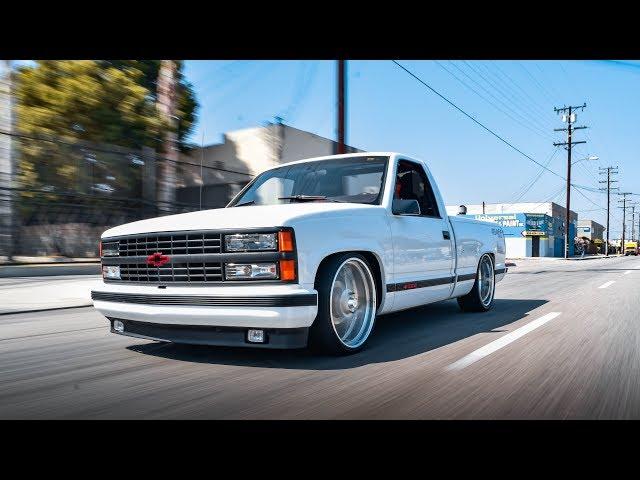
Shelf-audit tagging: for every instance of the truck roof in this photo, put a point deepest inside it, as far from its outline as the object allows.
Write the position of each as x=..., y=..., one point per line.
x=346, y=155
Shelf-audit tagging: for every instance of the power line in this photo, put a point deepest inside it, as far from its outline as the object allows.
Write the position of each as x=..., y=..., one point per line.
x=125, y=151
x=499, y=137
x=471, y=117
x=537, y=177
x=535, y=118
x=540, y=86
x=517, y=85
x=526, y=99
x=536, y=127
x=301, y=89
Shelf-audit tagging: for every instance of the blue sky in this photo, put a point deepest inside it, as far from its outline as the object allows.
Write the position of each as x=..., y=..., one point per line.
x=389, y=110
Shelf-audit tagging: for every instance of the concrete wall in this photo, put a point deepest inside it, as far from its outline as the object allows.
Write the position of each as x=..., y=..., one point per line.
x=517, y=247
x=523, y=247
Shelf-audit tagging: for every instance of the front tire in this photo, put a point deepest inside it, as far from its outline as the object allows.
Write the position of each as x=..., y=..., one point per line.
x=346, y=305
x=480, y=298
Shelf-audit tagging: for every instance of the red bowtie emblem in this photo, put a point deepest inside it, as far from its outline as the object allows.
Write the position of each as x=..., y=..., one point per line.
x=157, y=259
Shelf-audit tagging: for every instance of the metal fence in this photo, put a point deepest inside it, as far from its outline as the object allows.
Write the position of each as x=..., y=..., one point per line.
x=61, y=194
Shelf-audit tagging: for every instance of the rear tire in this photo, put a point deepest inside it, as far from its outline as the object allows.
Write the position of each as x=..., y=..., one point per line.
x=480, y=298
x=346, y=305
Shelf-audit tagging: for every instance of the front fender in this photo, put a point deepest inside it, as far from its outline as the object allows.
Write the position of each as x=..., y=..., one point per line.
x=317, y=238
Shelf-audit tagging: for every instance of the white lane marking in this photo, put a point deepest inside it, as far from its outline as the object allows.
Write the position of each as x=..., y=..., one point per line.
x=627, y=272
x=501, y=342
x=607, y=284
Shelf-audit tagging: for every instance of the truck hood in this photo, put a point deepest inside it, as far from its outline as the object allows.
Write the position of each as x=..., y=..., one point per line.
x=263, y=216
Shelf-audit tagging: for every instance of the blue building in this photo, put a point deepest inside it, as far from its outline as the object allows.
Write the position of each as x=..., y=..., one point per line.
x=530, y=229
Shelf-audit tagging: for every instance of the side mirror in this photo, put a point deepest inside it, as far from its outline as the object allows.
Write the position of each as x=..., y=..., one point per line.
x=405, y=207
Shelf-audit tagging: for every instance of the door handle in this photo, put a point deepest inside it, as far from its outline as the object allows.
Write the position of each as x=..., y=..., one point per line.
x=446, y=235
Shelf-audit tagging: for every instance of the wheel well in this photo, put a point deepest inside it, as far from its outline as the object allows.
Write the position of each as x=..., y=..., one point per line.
x=493, y=259
x=373, y=262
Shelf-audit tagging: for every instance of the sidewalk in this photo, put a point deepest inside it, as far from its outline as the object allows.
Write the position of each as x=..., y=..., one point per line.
x=558, y=259
x=18, y=295
x=23, y=260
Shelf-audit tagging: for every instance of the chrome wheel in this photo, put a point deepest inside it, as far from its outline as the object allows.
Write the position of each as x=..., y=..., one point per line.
x=353, y=302
x=486, y=280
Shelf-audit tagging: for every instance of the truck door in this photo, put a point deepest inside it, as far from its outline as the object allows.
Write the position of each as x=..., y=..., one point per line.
x=422, y=244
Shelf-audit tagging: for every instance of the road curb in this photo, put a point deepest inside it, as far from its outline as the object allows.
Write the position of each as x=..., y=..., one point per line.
x=42, y=270
x=18, y=312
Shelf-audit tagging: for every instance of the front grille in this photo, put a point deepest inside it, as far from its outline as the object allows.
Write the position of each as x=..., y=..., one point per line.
x=172, y=272
x=180, y=243
x=170, y=243
x=190, y=257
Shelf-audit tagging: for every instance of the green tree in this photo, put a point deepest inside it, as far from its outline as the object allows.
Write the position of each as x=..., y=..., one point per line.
x=186, y=106
x=102, y=102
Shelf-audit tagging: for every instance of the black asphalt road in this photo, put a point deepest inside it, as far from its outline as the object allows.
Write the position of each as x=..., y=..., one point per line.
x=581, y=362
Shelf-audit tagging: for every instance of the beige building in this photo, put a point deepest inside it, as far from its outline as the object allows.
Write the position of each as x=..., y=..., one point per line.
x=590, y=229
x=243, y=154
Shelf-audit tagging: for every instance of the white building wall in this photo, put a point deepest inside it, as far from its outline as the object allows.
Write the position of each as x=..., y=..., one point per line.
x=517, y=247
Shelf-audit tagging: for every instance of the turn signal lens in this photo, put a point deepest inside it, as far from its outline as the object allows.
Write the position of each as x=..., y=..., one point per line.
x=285, y=241
x=287, y=269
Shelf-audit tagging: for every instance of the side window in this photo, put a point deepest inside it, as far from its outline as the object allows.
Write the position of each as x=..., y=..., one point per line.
x=412, y=184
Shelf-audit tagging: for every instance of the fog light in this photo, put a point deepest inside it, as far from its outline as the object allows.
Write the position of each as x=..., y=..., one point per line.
x=111, y=271
x=118, y=326
x=255, y=336
x=242, y=271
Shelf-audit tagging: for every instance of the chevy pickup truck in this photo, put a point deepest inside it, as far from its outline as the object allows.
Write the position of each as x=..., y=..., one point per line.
x=309, y=253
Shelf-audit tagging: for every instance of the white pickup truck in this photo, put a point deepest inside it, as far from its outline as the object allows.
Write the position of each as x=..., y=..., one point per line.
x=308, y=253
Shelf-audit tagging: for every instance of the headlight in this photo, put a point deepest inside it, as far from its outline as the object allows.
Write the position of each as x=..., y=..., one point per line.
x=111, y=272
x=110, y=249
x=244, y=242
x=245, y=271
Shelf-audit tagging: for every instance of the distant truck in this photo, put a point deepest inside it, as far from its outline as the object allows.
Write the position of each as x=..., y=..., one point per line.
x=631, y=248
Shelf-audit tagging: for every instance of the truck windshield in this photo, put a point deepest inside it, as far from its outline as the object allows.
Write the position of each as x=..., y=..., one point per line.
x=351, y=180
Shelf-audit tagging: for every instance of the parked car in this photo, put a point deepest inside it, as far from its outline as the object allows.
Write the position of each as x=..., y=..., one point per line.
x=308, y=253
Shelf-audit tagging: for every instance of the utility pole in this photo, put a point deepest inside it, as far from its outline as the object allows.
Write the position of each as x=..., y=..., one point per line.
x=166, y=105
x=633, y=221
x=624, y=211
x=342, y=108
x=569, y=118
x=608, y=181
